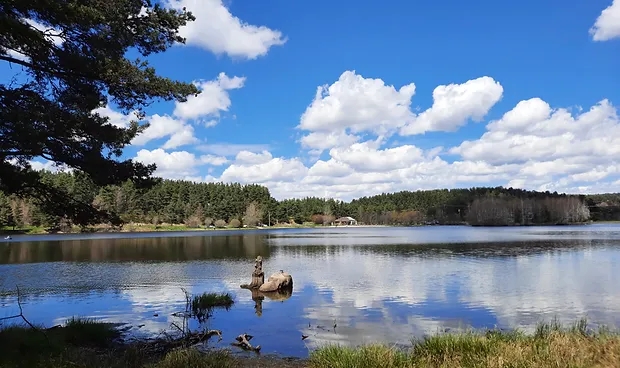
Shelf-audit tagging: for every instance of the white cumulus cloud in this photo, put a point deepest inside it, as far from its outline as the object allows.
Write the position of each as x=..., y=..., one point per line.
x=607, y=25
x=361, y=169
x=220, y=32
x=331, y=168
x=324, y=140
x=532, y=146
x=51, y=34
x=363, y=157
x=211, y=101
x=46, y=165
x=247, y=157
x=276, y=169
x=354, y=105
x=232, y=149
x=213, y=160
x=358, y=104
x=533, y=131
x=115, y=118
x=182, y=137
x=455, y=104
x=165, y=126
x=173, y=165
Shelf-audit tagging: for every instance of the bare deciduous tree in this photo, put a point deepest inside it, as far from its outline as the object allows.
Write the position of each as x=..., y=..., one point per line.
x=252, y=215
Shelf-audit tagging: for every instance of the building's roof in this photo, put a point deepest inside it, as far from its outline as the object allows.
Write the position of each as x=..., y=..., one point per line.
x=346, y=218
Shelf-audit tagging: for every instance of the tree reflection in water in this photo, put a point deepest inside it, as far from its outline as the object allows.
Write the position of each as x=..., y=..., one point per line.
x=278, y=296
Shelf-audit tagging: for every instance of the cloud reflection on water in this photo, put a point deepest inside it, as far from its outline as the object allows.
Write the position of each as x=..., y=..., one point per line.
x=376, y=290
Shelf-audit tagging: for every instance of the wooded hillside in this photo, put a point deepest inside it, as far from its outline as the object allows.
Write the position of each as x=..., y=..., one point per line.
x=203, y=204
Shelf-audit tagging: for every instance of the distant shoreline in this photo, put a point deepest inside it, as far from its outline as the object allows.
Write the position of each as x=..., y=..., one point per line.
x=144, y=228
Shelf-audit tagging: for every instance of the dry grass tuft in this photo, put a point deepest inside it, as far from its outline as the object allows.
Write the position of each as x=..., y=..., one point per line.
x=550, y=346
x=191, y=358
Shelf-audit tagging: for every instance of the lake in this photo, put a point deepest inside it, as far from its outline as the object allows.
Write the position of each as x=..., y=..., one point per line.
x=376, y=284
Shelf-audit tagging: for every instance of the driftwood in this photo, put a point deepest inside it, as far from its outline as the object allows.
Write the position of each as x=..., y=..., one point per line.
x=164, y=342
x=198, y=337
x=258, y=276
x=194, y=337
x=243, y=341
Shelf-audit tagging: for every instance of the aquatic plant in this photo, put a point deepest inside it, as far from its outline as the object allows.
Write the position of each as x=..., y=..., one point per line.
x=203, y=304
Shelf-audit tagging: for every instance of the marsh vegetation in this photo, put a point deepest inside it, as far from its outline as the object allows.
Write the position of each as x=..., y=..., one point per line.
x=87, y=343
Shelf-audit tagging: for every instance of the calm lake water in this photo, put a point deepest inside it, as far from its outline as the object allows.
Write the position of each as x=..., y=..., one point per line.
x=377, y=284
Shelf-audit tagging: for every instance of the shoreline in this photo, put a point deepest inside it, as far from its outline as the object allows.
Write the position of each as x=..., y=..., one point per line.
x=178, y=228
x=90, y=343
x=143, y=228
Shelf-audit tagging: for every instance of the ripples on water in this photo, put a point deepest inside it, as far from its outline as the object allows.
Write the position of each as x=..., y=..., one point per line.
x=377, y=284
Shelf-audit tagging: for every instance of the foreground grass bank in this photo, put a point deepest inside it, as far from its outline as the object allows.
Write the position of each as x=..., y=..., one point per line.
x=84, y=343
x=550, y=346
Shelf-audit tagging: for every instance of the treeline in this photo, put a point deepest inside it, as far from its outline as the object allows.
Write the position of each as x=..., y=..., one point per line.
x=494, y=211
x=219, y=204
x=476, y=206
x=168, y=201
x=604, y=207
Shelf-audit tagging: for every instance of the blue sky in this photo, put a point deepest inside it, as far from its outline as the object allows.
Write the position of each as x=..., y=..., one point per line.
x=531, y=87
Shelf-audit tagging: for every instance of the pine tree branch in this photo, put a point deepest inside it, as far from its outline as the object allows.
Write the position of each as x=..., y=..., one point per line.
x=46, y=70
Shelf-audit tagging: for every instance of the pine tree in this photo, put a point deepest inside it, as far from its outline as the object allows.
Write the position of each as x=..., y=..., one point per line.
x=71, y=56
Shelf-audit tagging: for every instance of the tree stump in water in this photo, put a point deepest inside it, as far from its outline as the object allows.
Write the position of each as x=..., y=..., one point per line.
x=258, y=276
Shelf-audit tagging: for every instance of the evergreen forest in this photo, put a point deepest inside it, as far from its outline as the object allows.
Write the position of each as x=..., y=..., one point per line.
x=233, y=205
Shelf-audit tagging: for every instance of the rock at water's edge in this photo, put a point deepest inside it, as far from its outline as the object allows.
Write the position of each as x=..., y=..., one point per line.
x=277, y=281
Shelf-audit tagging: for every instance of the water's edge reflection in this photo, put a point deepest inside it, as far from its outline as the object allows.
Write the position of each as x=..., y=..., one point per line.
x=383, y=285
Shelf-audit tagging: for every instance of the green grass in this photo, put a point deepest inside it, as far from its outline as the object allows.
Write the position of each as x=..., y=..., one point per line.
x=86, y=343
x=163, y=227
x=81, y=332
x=203, y=304
x=24, y=346
x=190, y=358
x=9, y=230
x=550, y=346
x=137, y=228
